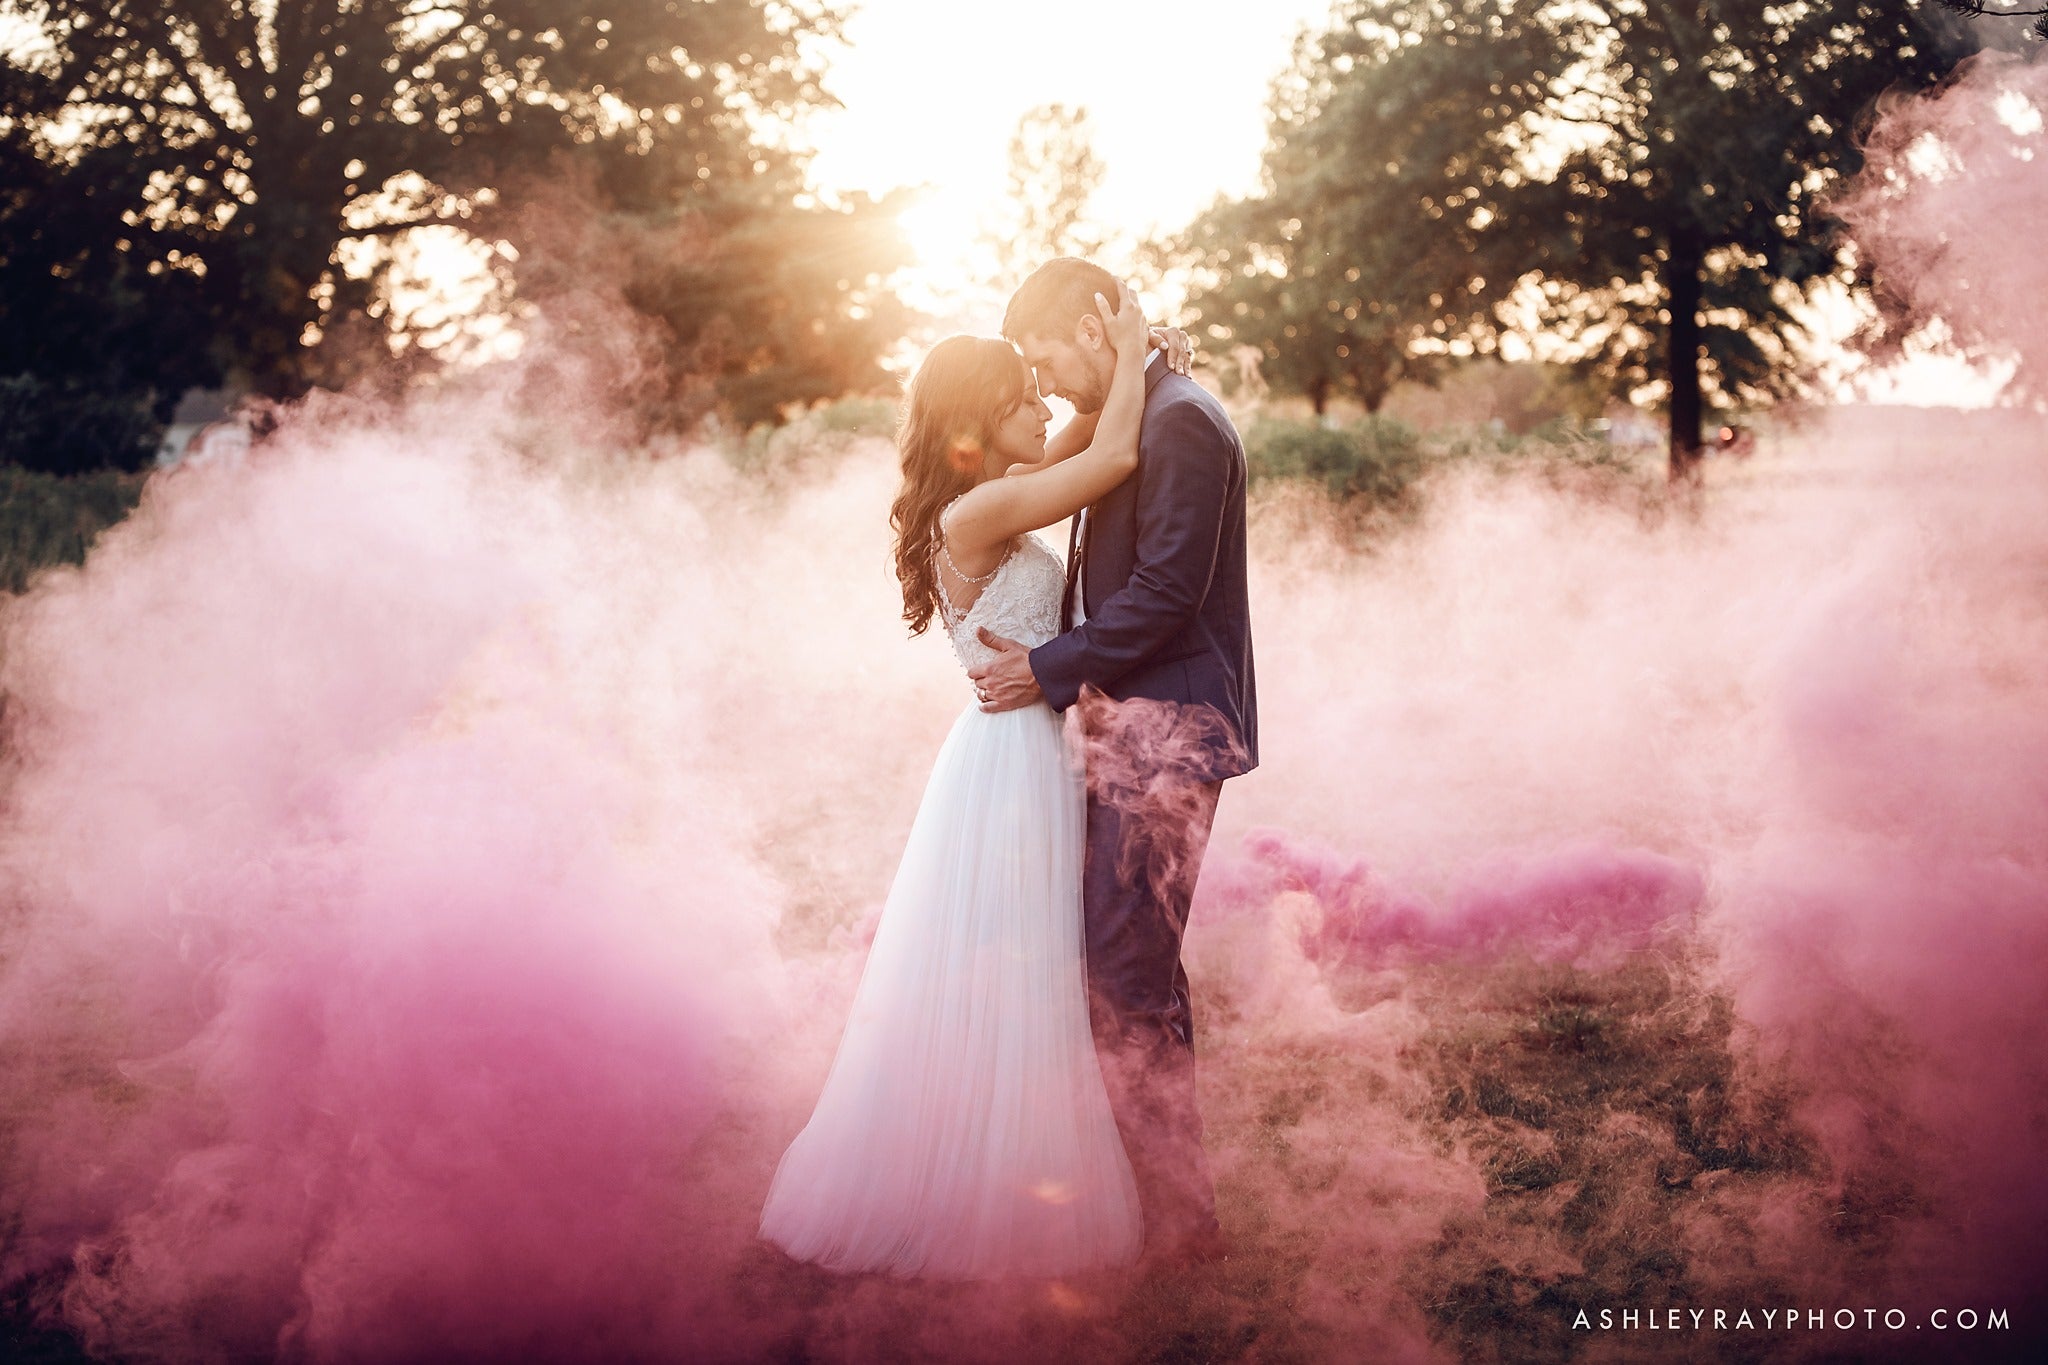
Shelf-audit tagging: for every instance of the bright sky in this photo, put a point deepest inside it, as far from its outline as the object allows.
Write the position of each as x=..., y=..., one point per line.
x=1176, y=93
x=933, y=90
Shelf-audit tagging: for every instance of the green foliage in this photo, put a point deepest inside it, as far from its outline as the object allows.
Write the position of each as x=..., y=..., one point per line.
x=779, y=454
x=61, y=429
x=77, y=308
x=859, y=417
x=1054, y=173
x=1982, y=9
x=1378, y=465
x=200, y=188
x=786, y=306
x=1640, y=180
x=1282, y=274
x=46, y=519
x=1375, y=458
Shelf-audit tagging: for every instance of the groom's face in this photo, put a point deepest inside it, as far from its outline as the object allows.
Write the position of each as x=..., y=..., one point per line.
x=1077, y=367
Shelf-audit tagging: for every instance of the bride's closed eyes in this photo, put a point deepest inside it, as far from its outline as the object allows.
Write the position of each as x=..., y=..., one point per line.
x=1020, y=437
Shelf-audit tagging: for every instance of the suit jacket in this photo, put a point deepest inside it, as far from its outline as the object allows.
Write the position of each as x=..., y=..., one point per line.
x=1163, y=577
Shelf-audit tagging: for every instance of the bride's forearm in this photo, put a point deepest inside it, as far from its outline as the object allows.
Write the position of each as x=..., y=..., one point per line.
x=1027, y=499
x=1071, y=439
x=1116, y=427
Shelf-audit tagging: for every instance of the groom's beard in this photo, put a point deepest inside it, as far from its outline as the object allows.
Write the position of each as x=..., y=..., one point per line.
x=1091, y=400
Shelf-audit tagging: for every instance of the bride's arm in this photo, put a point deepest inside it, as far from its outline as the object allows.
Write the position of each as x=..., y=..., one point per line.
x=993, y=512
x=1069, y=440
x=1073, y=438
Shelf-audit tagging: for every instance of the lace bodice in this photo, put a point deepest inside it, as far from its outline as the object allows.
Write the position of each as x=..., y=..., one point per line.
x=1021, y=603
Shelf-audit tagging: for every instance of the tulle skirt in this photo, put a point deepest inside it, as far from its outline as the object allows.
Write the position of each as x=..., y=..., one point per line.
x=964, y=1131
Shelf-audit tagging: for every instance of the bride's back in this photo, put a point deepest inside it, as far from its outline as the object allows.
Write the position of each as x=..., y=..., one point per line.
x=1020, y=601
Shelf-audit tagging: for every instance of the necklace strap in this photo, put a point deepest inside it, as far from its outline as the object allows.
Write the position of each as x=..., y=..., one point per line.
x=945, y=552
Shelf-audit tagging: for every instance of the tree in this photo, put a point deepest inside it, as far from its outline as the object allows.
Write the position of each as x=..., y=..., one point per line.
x=1640, y=180
x=223, y=152
x=1302, y=274
x=1054, y=173
x=759, y=302
x=84, y=326
x=1979, y=9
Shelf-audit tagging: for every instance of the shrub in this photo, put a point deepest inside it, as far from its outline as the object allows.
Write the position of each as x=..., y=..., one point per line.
x=858, y=417
x=1375, y=458
x=50, y=519
x=56, y=429
x=810, y=442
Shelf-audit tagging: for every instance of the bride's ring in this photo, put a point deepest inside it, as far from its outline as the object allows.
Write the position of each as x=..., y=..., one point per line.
x=981, y=692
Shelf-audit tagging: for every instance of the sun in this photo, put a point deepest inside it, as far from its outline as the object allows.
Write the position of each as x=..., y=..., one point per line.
x=953, y=258
x=943, y=229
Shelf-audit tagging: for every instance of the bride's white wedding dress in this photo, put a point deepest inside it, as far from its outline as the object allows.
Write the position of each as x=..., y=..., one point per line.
x=964, y=1132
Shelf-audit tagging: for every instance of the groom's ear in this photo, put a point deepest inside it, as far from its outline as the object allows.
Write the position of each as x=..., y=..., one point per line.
x=1089, y=332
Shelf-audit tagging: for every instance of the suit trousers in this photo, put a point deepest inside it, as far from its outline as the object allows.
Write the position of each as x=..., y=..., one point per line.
x=1143, y=854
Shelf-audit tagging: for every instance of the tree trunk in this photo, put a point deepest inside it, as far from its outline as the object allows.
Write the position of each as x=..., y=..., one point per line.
x=1319, y=393
x=1682, y=267
x=1373, y=384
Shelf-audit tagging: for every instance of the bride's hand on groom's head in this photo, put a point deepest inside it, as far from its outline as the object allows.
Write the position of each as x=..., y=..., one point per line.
x=1126, y=326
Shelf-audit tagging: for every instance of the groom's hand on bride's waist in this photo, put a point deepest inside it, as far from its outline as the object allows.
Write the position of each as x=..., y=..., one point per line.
x=1005, y=682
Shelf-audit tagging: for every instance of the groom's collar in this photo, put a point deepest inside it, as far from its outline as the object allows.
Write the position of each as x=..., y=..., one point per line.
x=1155, y=373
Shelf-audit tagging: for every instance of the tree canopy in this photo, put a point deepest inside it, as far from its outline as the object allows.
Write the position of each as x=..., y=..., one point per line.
x=183, y=175
x=1641, y=182
x=1979, y=9
x=1054, y=173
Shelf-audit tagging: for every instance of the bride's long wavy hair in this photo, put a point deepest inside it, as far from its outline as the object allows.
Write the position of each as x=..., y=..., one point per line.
x=959, y=395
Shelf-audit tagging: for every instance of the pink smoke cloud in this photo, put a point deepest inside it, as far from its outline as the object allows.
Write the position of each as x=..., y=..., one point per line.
x=438, y=858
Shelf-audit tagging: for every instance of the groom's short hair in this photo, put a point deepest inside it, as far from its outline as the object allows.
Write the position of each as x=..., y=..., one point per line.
x=1059, y=294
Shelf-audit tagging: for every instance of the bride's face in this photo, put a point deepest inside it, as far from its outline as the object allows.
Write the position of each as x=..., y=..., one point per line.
x=1020, y=437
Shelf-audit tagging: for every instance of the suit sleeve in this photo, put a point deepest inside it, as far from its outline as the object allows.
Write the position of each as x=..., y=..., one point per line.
x=1184, y=480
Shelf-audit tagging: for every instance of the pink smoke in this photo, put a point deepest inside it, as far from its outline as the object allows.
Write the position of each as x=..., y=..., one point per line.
x=1586, y=905
x=438, y=857
x=386, y=953
x=1940, y=209
x=1808, y=728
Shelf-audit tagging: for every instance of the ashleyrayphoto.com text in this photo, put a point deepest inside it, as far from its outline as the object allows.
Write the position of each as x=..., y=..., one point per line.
x=1674, y=1319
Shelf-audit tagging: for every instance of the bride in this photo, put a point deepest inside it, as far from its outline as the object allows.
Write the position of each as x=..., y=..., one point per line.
x=964, y=1131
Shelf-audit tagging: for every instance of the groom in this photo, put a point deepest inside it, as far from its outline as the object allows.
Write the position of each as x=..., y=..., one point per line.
x=1157, y=650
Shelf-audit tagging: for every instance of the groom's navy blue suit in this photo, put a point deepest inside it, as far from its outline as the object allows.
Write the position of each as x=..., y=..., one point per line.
x=1162, y=576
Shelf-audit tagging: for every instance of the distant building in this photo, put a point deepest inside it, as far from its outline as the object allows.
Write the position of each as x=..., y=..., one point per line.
x=205, y=429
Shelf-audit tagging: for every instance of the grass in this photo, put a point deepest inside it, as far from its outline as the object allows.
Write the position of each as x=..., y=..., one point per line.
x=1468, y=1164
x=1382, y=462
x=1520, y=1141
x=48, y=519
x=1593, y=1104
x=1375, y=467
x=1546, y=1140
x=812, y=441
